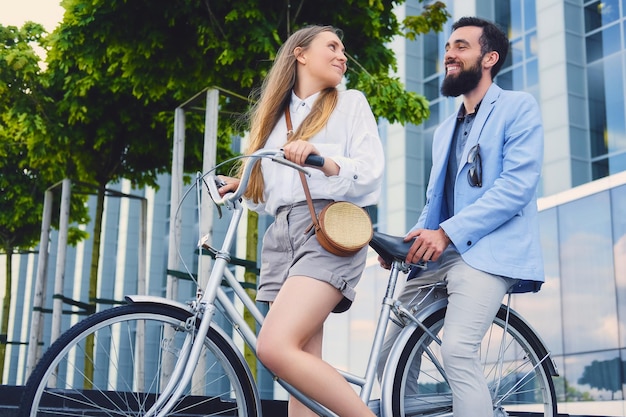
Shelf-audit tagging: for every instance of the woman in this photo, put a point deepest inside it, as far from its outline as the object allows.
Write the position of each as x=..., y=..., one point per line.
x=301, y=280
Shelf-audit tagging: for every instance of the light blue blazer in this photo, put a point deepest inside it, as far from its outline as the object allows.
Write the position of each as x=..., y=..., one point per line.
x=494, y=227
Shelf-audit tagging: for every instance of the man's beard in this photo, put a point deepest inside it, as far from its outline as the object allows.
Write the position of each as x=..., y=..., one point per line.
x=464, y=82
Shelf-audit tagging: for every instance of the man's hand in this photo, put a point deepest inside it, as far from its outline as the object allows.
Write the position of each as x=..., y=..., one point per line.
x=428, y=245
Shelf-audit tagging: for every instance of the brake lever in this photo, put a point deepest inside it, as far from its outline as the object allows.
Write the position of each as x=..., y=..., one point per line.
x=212, y=187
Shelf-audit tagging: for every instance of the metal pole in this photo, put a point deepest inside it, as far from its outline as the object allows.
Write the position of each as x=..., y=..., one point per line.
x=142, y=278
x=59, y=277
x=141, y=289
x=178, y=155
x=36, y=325
x=206, y=208
x=171, y=291
x=209, y=157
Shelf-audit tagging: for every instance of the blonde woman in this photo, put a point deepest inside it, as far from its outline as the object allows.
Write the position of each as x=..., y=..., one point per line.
x=303, y=282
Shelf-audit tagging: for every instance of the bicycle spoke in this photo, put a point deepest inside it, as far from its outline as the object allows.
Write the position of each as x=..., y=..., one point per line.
x=220, y=385
x=516, y=371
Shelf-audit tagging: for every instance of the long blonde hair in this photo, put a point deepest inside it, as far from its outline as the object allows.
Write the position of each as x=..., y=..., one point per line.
x=275, y=95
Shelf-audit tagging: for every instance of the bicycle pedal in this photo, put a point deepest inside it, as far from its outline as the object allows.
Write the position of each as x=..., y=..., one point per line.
x=374, y=405
x=500, y=412
x=203, y=240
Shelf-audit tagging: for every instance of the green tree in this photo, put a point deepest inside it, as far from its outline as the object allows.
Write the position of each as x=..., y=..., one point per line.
x=116, y=69
x=21, y=194
x=22, y=186
x=173, y=51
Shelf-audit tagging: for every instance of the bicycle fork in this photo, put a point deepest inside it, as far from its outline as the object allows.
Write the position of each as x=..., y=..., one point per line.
x=192, y=346
x=182, y=374
x=194, y=340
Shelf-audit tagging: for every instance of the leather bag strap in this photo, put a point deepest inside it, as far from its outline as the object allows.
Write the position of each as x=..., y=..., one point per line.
x=305, y=185
x=309, y=201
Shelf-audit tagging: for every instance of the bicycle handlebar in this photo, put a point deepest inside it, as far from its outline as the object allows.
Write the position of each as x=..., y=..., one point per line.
x=276, y=155
x=314, y=160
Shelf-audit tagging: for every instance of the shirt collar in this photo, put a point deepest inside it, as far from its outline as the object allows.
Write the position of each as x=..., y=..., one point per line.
x=461, y=113
x=298, y=105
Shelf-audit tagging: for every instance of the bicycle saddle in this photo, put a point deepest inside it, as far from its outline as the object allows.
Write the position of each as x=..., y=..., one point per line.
x=390, y=247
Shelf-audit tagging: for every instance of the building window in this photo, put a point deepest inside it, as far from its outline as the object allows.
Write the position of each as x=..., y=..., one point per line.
x=520, y=70
x=600, y=13
x=604, y=49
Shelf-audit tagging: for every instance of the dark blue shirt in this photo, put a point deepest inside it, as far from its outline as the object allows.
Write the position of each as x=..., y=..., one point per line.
x=463, y=127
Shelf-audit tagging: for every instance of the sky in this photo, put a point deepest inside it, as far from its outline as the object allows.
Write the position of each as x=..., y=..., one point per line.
x=15, y=12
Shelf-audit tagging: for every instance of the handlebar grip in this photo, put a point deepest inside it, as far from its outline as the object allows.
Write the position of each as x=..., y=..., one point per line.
x=314, y=160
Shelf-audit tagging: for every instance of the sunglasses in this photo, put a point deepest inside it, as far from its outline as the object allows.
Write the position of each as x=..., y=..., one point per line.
x=475, y=173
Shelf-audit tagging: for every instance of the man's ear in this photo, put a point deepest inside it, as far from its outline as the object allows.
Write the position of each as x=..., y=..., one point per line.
x=490, y=59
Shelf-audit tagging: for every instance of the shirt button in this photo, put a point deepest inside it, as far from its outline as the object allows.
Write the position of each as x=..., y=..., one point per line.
x=355, y=177
x=469, y=243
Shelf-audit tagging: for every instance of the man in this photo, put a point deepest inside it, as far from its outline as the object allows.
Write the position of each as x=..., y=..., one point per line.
x=479, y=229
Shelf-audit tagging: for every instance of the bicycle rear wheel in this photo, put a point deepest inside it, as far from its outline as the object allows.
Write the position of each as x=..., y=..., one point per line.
x=520, y=384
x=125, y=373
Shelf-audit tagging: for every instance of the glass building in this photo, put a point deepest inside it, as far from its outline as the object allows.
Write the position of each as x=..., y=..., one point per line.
x=571, y=56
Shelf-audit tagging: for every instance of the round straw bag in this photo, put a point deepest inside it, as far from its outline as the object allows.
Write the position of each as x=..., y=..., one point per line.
x=343, y=228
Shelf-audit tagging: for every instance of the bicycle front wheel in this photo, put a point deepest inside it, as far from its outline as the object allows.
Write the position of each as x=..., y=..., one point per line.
x=515, y=364
x=116, y=363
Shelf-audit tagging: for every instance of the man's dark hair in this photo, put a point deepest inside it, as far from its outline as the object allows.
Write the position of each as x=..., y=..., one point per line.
x=492, y=39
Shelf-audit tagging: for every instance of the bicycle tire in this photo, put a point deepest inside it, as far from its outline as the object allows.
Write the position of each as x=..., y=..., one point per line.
x=222, y=387
x=526, y=363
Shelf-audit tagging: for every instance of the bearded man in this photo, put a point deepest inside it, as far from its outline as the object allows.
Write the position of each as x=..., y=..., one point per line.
x=479, y=230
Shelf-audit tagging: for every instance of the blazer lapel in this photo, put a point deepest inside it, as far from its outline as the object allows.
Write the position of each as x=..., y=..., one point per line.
x=442, y=146
x=486, y=107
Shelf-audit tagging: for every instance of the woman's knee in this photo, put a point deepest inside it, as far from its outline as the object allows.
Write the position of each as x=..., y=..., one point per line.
x=269, y=351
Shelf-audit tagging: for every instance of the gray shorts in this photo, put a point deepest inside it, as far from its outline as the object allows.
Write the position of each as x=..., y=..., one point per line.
x=288, y=251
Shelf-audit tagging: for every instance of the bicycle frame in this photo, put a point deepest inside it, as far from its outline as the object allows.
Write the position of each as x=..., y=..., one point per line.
x=183, y=331
x=204, y=307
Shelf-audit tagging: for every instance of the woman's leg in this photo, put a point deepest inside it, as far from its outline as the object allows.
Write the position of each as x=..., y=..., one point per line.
x=288, y=345
x=314, y=347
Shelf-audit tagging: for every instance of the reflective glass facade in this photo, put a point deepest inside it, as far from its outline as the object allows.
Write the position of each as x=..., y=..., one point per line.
x=605, y=54
x=580, y=311
x=520, y=71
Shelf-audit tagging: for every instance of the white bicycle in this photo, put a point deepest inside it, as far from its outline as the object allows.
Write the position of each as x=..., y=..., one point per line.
x=159, y=357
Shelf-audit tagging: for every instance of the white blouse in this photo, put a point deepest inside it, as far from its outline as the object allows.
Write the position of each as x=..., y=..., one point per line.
x=350, y=138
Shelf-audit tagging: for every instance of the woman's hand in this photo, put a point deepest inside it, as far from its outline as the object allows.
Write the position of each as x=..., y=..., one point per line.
x=230, y=184
x=298, y=150
x=382, y=263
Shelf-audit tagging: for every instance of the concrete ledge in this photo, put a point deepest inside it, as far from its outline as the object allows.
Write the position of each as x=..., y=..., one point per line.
x=10, y=398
